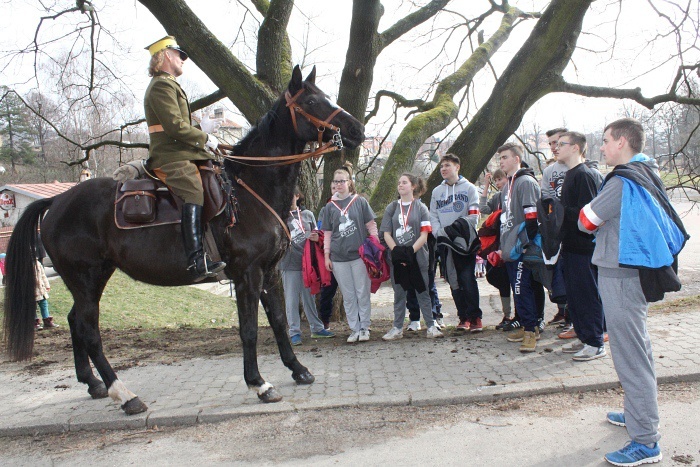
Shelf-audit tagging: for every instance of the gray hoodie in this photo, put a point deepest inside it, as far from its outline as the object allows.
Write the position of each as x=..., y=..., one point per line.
x=450, y=202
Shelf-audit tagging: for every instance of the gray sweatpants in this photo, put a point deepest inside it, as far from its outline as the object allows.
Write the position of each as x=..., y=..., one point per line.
x=293, y=284
x=626, y=318
x=354, y=284
x=424, y=302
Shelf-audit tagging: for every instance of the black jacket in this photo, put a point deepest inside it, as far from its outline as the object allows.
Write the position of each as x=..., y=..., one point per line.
x=579, y=188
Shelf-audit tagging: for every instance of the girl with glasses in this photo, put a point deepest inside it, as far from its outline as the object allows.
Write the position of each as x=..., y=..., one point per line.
x=347, y=220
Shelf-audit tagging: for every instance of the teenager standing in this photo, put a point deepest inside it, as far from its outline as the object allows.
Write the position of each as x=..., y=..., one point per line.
x=347, y=221
x=405, y=228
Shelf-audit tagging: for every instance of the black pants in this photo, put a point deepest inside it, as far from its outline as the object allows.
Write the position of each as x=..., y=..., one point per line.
x=583, y=299
x=325, y=307
x=466, y=297
x=498, y=277
x=412, y=300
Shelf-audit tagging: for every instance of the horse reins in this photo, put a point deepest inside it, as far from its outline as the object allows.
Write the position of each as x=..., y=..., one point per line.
x=335, y=144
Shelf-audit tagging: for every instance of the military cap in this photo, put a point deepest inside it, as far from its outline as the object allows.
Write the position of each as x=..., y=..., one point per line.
x=168, y=42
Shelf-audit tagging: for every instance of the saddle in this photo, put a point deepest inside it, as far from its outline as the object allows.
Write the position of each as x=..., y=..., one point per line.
x=147, y=202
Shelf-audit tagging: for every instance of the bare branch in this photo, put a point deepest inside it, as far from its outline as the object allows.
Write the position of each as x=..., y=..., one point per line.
x=400, y=101
x=409, y=22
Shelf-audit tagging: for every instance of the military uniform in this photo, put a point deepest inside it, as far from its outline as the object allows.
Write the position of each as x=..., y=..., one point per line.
x=176, y=147
x=174, y=142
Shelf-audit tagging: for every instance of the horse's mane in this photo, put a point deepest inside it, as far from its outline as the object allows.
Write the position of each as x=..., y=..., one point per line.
x=262, y=131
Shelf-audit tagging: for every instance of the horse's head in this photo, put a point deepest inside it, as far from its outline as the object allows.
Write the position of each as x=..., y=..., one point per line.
x=315, y=114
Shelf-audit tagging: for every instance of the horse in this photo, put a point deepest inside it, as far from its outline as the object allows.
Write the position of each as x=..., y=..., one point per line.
x=85, y=246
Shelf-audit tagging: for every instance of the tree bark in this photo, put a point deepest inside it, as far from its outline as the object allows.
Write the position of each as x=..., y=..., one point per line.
x=274, y=55
x=366, y=43
x=442, y=110
x=532, y=73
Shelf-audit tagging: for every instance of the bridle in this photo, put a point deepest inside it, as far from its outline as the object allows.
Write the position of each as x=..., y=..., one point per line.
x=335, y=144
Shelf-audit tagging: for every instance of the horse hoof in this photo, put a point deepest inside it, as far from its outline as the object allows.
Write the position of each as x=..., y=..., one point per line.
x=271, y=395
x=305, y=377
x=134, y=406
x=98, y=392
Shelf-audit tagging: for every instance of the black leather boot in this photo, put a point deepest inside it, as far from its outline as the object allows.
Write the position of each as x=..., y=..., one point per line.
x=197, y=263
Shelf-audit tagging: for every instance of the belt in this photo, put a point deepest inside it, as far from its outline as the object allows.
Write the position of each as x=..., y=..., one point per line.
x=155, y=128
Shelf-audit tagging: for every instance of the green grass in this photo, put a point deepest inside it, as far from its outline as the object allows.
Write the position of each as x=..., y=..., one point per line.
x=127, y=303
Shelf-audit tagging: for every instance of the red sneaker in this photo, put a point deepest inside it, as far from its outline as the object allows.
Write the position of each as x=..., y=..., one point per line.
x=475, y=325
x=568, y=334
x=463, y=325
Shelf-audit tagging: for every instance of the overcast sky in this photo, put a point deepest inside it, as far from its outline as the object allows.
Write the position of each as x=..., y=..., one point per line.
x=327, y=23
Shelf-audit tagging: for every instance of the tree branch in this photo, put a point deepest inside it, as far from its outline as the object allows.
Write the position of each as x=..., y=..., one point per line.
x=274, y=55
x=409, y=22
x=632, y=94
x=400, y=101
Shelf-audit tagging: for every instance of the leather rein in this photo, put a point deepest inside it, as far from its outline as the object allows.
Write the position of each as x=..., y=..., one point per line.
x=335, y=144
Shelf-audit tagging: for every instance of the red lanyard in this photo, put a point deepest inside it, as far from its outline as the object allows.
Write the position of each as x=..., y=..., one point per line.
x=301, y=223
x=405, y=218
x=343, y=212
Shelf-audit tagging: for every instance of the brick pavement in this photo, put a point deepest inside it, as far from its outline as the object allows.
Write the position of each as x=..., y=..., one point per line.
x=414, y=371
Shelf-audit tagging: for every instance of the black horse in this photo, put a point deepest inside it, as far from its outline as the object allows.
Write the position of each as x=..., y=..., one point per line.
x=85, y=246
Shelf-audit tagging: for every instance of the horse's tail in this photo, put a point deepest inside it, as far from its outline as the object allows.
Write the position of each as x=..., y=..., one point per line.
x=20, y=282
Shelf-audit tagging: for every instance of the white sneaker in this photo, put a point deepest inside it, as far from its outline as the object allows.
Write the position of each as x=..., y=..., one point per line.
x=393, y=334
x=354, y=337
x=589, y=353
x=364, y=335
x=574, y=347
x=414, y=326
x=439, y=323
x=433, y=332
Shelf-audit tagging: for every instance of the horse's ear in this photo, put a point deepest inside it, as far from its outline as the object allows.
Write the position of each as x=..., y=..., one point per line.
x=312, y=76
x=295, y=82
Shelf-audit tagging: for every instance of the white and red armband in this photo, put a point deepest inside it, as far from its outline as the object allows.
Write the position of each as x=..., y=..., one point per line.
x=588, y=220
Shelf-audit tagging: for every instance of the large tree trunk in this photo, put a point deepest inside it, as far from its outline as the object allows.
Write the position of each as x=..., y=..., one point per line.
x=442, y=110
x=533, y=72
x=357, y=76
x=274, y=56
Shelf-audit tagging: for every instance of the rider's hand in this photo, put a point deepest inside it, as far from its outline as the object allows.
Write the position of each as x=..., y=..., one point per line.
x=128, y=171
x=212, y=142
x=208, y=125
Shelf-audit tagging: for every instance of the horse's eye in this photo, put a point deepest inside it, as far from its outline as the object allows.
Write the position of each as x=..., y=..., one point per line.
x=311, y=102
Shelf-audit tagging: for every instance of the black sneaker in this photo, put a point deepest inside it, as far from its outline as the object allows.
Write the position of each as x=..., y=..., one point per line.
x=540, y=324
x=511, y=325
x=504, y=321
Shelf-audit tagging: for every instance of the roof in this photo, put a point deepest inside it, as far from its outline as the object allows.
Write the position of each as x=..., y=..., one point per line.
x=39, y=190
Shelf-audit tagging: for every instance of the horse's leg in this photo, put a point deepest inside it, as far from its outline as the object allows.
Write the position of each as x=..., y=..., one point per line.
x=247, y=299
x=271, y=299
x=86, y=289
x=96, y=388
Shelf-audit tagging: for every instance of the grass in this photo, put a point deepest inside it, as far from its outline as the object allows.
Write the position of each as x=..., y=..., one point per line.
x=128, y=304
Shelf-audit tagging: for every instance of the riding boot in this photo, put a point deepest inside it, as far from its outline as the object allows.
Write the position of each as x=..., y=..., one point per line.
x=197, y=263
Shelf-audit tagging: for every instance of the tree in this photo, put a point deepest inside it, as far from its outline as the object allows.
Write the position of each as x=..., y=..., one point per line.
x=537, y=69
x=16, y=133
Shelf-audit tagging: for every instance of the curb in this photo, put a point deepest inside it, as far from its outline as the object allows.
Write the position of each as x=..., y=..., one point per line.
x=216, y=414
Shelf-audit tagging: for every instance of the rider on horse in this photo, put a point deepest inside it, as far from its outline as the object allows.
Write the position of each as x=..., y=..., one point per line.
x=175, y=147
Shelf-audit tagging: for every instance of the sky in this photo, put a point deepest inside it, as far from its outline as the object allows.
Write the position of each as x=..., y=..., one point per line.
x=321, y=28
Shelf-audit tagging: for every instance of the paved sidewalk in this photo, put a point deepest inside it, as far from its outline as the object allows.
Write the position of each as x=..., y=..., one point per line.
x=414, y=371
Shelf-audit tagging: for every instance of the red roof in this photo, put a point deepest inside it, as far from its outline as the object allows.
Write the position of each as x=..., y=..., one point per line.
x=39, y=190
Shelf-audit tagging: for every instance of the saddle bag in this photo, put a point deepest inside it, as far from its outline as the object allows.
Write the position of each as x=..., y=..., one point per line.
x=139, y=196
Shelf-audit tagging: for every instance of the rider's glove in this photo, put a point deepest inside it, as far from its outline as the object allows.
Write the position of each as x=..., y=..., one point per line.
x=212, y=142
x=208, y=125
x=129, y=171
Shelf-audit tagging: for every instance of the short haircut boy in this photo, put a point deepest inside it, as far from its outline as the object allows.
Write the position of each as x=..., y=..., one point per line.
x=515, y=148
x=449, y=157
x=579, y=139
x=631, y=129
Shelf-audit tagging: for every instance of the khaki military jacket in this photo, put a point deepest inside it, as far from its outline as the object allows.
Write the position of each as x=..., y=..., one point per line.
x=166, y=104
